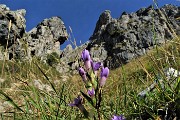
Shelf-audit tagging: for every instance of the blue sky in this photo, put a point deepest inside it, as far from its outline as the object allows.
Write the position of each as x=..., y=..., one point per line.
x=80, y=15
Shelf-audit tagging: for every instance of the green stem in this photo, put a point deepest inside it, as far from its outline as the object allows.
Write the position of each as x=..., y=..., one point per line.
x=83, y=110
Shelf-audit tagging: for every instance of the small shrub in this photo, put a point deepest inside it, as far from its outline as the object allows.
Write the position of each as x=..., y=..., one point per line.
x=53, y=59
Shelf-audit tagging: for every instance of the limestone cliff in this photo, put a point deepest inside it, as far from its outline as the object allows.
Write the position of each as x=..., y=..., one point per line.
x=117, y=41
x=16, y=43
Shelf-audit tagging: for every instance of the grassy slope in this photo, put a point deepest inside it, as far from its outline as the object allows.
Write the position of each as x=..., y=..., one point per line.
x=133, y=77
x=119, y=93
x=125, y=82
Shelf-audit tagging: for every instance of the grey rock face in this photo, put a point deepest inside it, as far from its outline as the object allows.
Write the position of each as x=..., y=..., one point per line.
x=173, y=13
x=40, y=41
x=116, y=41
x=46, y=37
x=12, y=24
x=70, y=58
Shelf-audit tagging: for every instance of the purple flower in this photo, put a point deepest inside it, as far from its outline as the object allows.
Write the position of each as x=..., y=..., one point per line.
x=104, y=75
x=82, y=74
x=96, y=66
x=77, y=102
x=86, y=58
x=91, y=92
x=118, y=117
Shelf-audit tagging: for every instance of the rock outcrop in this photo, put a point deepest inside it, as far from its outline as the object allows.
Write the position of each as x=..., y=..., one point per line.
x=69, y=59
x=12, y=27
x=116, y=41
x=40, y=41
x=46, y=37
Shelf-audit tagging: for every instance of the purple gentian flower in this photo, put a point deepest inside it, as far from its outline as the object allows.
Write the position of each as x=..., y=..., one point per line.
x=118, y=117
x=86, y=58
x=82, y=74
x=91, y=92
x=96, y=66
x=77, y=102
x=104, y=75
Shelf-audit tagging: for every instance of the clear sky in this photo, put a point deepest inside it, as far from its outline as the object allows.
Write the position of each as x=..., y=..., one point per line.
x=80, y=15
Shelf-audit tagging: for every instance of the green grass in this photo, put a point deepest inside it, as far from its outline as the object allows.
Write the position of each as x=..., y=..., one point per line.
x=119, y=93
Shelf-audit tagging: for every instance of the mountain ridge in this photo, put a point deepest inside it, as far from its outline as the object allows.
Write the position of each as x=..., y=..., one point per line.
x=115, y=41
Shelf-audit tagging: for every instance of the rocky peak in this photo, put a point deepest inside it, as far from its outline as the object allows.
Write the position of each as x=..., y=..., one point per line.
x=171, y=10
x=117, y=41
x=12, y=22
x=104, y=19
x=40, y=41
x=55, y=26
x=114, y=41
x=46, y=37
x=145, y=11
x=3, y=7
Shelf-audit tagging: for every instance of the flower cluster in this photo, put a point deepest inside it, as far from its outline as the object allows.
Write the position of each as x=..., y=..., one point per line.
x=91, y=69
x=94, y=76
x=95, y=66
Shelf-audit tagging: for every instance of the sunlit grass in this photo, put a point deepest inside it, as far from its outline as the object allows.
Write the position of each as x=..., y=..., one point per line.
x=119, y=93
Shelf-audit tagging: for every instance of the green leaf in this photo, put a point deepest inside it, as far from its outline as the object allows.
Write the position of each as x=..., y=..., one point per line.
x=93, y=79
x=46, y=78
x=88, y=76
x=87, y=98
x=99, y=99
x=10, y=101
x=92, y=76
x=177, y=89
x=88, y=85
